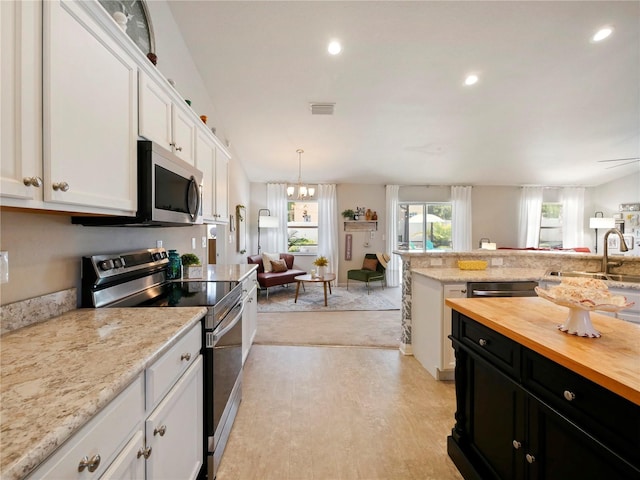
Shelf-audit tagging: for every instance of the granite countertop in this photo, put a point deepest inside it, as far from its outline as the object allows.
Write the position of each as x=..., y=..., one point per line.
x=232, y=272
x=56, y=375
x=610, y=361
x=452, y=275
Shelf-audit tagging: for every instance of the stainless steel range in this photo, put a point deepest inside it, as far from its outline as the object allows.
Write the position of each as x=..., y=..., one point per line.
x=139, y=279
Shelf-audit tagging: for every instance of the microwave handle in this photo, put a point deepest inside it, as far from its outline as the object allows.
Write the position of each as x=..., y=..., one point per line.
x=193, y=186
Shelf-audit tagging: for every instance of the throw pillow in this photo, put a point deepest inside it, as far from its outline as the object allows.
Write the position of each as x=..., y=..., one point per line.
x=370, y=264
x=279, y=266
x=267, y=258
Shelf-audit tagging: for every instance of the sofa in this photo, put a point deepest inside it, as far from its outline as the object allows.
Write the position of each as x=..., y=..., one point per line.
x=272, y=279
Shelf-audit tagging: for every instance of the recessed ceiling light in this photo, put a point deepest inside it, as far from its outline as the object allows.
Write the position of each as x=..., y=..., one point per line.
x=471, y=79
x=601, y=34
x=334, y=47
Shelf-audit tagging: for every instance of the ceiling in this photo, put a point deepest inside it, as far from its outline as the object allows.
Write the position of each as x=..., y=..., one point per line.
x=549, y=107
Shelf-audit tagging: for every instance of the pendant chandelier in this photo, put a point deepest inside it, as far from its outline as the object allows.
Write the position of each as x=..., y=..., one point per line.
x=302, y=190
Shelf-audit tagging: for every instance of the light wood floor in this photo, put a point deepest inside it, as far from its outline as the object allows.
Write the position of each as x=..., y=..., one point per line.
x=329, y=413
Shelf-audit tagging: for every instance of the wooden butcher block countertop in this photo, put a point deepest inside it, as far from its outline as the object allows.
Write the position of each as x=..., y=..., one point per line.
x=612, y=361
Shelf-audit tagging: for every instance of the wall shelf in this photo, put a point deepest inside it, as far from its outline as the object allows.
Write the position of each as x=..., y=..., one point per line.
x=360, y=226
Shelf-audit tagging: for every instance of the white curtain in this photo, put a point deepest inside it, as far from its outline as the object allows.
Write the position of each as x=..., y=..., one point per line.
x=572, y=217
x=461, y=218
x=328, y=225
x=530, y=217
x=274, y=240
x=394, y=266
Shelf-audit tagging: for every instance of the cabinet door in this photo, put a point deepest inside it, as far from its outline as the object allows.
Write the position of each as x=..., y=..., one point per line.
x=130, y=463
x=560, y=450
x=496, y=418
x=183, y=123
x=174, y=431
x=426, y=322
x=448, y=359
x=206, y=162
x=155, y=112
x=90, y=113
x=20, y=97
x=222, y=186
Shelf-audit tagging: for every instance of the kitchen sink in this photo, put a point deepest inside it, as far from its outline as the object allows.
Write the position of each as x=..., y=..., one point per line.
x=617, y=277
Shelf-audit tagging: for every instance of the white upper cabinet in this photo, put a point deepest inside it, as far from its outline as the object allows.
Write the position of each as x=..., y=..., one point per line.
x=206, y=163
x=166, y=121
x=90, y=113
x=222, y=185
x=20, y=87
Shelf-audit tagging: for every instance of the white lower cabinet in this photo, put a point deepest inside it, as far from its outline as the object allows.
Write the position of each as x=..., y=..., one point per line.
x=431, y=324
x=100, y=441
x=174, y=431
x=250, y=314
x=127, y=440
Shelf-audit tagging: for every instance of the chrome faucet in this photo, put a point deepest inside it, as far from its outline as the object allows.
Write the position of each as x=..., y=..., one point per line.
x=606, y=264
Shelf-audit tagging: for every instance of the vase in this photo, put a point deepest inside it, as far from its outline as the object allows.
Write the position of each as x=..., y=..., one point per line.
x=174, y=267
x=321, y=271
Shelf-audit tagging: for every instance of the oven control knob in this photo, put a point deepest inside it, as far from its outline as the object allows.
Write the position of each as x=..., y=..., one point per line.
x=106, y=265
x=156, y=256
x=117, y=263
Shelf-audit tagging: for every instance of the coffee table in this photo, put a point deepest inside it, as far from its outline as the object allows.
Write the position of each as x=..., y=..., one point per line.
x=326, y=279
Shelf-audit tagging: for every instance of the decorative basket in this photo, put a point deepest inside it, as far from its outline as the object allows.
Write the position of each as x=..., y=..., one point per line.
x=472, y=264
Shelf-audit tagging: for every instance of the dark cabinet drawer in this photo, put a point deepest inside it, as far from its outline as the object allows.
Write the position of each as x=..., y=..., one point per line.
x=490, y=345
x=605, y=415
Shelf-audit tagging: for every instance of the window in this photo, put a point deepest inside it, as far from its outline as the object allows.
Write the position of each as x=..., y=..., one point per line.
x=302, y=226
x=425, y=226
x=551, y=225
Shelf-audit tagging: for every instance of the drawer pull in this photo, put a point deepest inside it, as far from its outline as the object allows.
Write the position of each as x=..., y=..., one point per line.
x=185, y=356
x=530, y=458
x=90, y=465
x=162, y=429
x=61, y=186
x=516, y=444
x=569, y=396
x=482, y=342
x=144, y=452
x=32, y=181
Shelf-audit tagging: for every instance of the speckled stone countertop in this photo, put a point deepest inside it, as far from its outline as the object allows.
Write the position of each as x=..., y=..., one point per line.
x=56, y=375
x=234, y=273
x=452, y=275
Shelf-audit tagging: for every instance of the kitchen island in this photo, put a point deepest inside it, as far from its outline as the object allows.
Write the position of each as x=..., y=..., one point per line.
x=534, y=402
x=55, y=376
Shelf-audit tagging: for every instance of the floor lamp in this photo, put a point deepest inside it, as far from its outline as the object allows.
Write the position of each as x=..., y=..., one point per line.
x=265, y=221
x=600, y=221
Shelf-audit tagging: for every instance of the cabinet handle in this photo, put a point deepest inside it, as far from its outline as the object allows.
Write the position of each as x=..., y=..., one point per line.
x=569, y=396
x=62, y=186
x=250, y=299
x=90, y=465
x=162, y=429
x=482, y=342
x=530, y=458
x=32, y=181
x=144, y=452
x=516, y=444
x=185, y=356
x=178, y=149
x=463, y=291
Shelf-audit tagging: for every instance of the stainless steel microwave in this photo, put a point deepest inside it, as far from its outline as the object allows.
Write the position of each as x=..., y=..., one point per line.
x=169, y=192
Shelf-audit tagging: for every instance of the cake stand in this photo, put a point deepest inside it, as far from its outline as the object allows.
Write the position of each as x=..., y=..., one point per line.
x=579, y=321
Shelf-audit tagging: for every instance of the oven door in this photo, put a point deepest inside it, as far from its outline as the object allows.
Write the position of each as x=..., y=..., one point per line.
x=223, y=382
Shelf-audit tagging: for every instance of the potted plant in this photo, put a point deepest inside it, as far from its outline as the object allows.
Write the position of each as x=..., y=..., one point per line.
x=321, y=262
x=191, y=267
x=348, y=213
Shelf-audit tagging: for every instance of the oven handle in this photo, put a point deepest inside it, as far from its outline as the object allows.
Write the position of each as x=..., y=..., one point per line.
x=219, y=332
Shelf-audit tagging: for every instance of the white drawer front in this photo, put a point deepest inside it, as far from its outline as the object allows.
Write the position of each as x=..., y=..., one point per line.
x=161, y=376
x=105, y=435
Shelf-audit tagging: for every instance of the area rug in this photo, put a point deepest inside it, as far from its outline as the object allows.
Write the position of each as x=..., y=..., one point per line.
x=281, y=299
x=336, y=329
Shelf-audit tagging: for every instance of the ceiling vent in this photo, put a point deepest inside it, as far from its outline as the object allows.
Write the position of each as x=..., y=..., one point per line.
x=322, y=108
